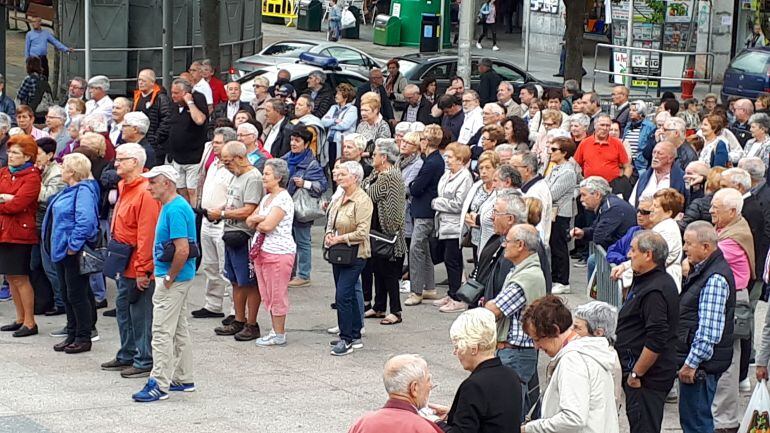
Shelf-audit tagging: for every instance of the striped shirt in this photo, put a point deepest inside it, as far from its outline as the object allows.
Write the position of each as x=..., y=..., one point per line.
x=632, y=137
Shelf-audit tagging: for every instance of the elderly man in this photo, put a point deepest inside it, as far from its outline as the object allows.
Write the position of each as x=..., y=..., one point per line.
x=647, y=333
x=417, y=108
x=120, y=107
x=76, y=89
x=537, y=187
x=200, y=85
x=171, y=344
x=526, y=95
x=217, y=86
x=100, y=101
x=453, y=117
x=524, y=283
x=675, y=132
x=602, y=155
x=151, y=99
x=620, y=107
x=489, y=81
x=740, y=127
x=187, y=136
x=491, y=114
x=505, y=98
x=278, y=140
x=321, y=94
x=243, y=195
x=133, y=228
x=213, y=195
x=473, y=116
x=664, y=173
x=736, y=242
x=232, y=105
x=592, y=106
x=376, y=85
x=408, y=383
x=134, y=130
x=303, y=114
x=571, y=92
x=706, y=310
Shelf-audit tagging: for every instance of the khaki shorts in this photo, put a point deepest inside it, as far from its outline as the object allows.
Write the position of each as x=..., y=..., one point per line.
x=188, y=175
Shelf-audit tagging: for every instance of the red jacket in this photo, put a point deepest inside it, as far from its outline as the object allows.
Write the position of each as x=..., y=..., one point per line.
x=17, y=216
x=133, y=222
x=217, y=90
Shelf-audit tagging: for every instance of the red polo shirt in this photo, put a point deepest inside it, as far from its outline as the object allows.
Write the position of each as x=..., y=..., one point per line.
x=601, y=158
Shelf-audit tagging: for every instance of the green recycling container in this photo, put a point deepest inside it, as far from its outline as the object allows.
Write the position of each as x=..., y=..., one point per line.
x=387, y=30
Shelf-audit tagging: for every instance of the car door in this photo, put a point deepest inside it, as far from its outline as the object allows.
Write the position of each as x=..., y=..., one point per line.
x=747, y=74
x=442, y=72
x=348, y=59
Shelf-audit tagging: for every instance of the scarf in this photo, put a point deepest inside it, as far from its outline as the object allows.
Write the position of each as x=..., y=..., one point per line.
x=740, y=232
x=404, y=162
x=295, y=159
x=24, y=166
x=391, y=82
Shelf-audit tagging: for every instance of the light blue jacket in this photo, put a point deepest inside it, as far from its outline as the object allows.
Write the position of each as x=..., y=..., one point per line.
x=75, y=213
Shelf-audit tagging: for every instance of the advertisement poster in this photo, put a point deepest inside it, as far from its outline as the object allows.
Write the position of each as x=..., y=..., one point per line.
x=545, y=6
x=679, y=11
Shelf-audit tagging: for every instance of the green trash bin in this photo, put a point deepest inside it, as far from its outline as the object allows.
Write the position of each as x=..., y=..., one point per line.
x=353, y=32
x=309, y=15
x=387, y=30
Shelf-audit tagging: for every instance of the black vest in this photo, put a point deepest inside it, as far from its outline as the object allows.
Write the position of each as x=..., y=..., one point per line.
x=688, y=314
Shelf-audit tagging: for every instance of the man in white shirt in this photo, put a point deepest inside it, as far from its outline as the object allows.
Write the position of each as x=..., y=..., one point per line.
x=277, y=141
x=233, y=104
x=663, y=159
x=200, y=84
x=534, y=185
x=473, y=119
x=100, y=102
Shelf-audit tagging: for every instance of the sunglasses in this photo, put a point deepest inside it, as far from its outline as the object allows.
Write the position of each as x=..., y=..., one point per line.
x=644, y=212
x=555, y=149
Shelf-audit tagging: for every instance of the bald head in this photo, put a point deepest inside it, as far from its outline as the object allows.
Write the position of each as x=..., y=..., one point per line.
x=743, y=109
x=412, y=95
x=663, y=156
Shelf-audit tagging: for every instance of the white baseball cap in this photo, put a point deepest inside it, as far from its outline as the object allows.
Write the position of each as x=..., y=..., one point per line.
x=162, y=170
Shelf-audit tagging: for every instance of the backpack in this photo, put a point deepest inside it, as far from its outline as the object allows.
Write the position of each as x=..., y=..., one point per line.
x=42, y=100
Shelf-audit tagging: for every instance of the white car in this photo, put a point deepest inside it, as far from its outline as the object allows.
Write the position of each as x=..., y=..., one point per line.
x=299, y=73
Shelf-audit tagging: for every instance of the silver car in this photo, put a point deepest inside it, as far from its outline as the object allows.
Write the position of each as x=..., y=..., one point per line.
x=288, y=51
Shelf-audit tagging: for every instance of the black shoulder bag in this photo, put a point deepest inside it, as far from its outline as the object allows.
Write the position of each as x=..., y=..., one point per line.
x=340, y=254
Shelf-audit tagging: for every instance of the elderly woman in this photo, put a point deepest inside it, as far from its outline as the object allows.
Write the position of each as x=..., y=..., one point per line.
x=54, y=126
x=353, y=147
x=71, y=220
x=516, y=132
x=340, y=120
x=400, y=130
x=372, y=125
x=73, y=130
x=578, y=127
x=120, y=107
x=19, y=190
x=396, y=82
x=580, y=392
x=348, y=225
x=93, y=145
x=491, y=385
x=715, y=151
x=410, y=163
x=639, y=131
x=491, y=136
x=5, y=126
x=476, y=215
x=759, y=145
x=304, y=173
x=695, y=178
x=273, y=251
x=261, y=95
x=25, y=118
x=453, y=187
x=551, y=121
x=241, y=117
x=562, y=181
x=248, y=134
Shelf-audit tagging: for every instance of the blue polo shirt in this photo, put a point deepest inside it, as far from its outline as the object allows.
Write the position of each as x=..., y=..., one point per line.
x=176, y=221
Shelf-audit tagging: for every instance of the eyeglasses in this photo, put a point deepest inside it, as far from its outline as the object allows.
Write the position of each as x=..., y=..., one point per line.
x=226, y=161
x=549, y=124
x=244, y=135
x=496, y=212
x=555, y=149
x=644, y=212
x=120, y=160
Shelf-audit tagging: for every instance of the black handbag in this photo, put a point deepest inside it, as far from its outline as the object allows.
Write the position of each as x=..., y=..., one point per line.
x=91, y=257
x=436, y=250
x=236, y=238
x=117, y=258
x=341, y=254
x=169, y=249
x=470, y=292
x=383, y=246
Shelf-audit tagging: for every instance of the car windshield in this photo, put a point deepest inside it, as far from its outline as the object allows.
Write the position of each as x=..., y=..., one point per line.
x=287, y=49
x=405, y=66
x=751, y=62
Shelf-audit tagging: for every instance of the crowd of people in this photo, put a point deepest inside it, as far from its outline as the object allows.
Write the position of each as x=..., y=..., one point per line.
x=140, y=189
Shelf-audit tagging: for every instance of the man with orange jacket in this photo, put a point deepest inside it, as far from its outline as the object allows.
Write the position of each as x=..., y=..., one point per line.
x=133, y=225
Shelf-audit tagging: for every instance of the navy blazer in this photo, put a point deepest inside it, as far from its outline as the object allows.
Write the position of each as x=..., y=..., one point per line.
x=613, y=219
x=677, y=182
x=424, y=188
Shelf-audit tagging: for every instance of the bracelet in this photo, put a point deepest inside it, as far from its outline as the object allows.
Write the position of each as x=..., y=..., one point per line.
x=222, y=215
x=190, y=102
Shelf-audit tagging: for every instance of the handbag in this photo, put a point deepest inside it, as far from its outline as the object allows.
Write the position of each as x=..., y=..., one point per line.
x=116, y=258
x=341, y=254
x=169, y=249
x=383, y=246
x=236, y=238
x=91, y=257
x=470, y=292
x=306, y=207
x=742, y=321
x=348, y=19
x=436, y=250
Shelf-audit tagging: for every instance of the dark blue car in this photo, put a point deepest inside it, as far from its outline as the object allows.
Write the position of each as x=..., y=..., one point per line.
x=748, y=74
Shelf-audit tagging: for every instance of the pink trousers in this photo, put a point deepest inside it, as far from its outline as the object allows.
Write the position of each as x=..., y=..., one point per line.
x=273, y=274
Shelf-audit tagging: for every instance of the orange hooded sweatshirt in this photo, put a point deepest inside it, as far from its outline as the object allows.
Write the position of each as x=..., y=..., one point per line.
x=133, y=222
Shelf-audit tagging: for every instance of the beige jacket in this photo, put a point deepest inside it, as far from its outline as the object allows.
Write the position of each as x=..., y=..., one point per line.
x=352, y=218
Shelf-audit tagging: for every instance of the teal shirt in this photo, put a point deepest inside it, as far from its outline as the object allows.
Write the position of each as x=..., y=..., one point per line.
x=176, y=221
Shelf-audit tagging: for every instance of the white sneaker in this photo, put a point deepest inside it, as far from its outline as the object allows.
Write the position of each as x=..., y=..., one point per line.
x=441, y=302
x=335, y=330
x=405, y=286
x=478, y=45
x=363, y=331
x=560, y=289
x=495, y=48
x=745, y=385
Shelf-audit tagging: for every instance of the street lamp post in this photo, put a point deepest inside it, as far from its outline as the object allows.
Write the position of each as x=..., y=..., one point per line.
x=464, y=42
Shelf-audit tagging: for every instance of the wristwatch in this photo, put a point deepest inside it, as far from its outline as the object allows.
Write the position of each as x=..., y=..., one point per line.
x=633, y=373
x=168, y=280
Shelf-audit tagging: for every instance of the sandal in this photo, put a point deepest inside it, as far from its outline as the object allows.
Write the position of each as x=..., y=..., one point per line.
x=391, y=319
x=371, y=314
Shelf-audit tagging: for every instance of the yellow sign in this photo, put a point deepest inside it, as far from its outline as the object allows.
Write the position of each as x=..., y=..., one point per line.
x=643, y=83
x=279, y=8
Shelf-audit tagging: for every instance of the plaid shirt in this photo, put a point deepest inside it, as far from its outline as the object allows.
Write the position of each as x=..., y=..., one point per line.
x=711, y=320
x=511, y=301
x=28, y=88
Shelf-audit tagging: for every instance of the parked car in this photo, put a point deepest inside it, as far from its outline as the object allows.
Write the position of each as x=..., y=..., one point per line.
x=349, y=58
x=748, y=74
x=417, y=67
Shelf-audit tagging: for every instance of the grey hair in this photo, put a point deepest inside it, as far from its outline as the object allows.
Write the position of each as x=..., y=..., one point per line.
x=596, y=184
x=475, y=328
x=731, y=197
x=508, y=85
x=280, y=170
x=473, y=93
x=594, y=98
x=5, y=122
x=308, y=100
x=528, y=158
x=403, y=127
x=678, y=124
x=599, y=315
x=354, y=169
x=134, y=150
x=139, y=120
x=184, y=84
x=486, y=62
x=100, y=81
x=738, y=177
x=581, y=119
x=762, y=120
x=495, y=107
x=572, y=86
x=417, y=127
x=228, y=134
x=76, y=120
x=81, y=80
x=527, y=234
x=320, y=75
x=507, y=172
x=58, y=111
x=96, y=122
x=645, y=198
x=514, y=205
x=122, y=100
x=705, y=233
x=641, y=107
x=387, y=147
x=412, y=88
x=401, y=371
x=357, y=139
x=603, y=116
x=278, y=105
x=650, y=241
x=235, y=149
x=754, y=166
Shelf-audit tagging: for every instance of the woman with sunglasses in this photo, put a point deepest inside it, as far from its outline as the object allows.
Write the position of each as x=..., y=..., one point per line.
x=562, y=178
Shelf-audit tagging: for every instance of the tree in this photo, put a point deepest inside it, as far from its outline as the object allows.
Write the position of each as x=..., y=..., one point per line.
x=573, y=35
x=210, y=31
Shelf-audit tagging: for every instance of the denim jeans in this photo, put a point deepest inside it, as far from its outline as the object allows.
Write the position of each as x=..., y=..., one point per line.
x=134, y=324
x=695, y=404
x=524, y=362
x=348, y=306
x=38, y=252
x=78, y=300
x=302, y=266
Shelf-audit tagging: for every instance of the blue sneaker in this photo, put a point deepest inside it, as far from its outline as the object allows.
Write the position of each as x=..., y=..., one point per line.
x=182, y=387
x=5, y=293
x=151, y=392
